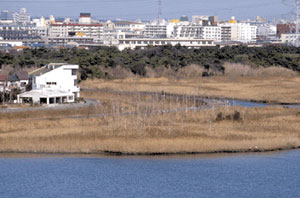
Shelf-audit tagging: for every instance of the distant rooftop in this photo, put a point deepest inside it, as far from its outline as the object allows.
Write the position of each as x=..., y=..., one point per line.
x=75, y=24
x=126, y=22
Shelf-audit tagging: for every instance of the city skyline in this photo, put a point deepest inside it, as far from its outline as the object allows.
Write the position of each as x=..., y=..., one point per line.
x=145, y=9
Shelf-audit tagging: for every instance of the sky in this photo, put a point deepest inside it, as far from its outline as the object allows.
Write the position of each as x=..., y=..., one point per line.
x=148, y=9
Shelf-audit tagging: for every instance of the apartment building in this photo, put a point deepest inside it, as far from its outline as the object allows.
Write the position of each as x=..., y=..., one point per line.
x=19, y=32
x=75, y=33
x=129, y=26
x=225, y=33
x=240, y=32
x=155, y=30
x=289, y=38
x=212, y=33
x=22, y=17
x=83, y=31
x=198, y=32
x=132, y=43
x=188, y=31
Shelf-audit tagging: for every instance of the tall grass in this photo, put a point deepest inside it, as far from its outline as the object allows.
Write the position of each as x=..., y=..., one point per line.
x=238, y=69
x=147, y=130
x=242, y=82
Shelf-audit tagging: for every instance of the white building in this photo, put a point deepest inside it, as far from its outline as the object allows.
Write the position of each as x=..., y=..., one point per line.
x=54, y=83
x=75, y=32
x=41, y=26
x=199, y=19
x=85, y=18
x=133, y=43
x=266, y=30
x=129, y=26
x=156, y=29
x=240, y=32
x=289, y=38
x=21, y=17
x=198, y=32
x=188, y=31
x=212, y=33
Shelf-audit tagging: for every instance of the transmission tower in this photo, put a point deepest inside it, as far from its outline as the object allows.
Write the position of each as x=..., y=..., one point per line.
x=160, y=9
x=297, y=31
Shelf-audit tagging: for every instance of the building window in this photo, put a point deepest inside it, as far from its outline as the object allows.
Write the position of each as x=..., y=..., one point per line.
x=70, y=97
x=51, y=83
x=74, y=72
x=75, y=82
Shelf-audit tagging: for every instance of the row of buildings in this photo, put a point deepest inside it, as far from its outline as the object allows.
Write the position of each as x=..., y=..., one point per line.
x=200, y=31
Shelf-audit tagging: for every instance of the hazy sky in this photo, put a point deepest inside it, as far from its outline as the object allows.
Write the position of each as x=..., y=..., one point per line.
x=147, y=9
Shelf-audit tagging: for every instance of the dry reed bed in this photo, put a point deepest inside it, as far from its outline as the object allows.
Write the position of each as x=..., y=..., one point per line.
x=179, y=132
x=147, y=130
x=240, y=82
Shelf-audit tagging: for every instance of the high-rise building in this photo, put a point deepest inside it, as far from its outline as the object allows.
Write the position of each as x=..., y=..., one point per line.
x=199, y=19
x=85, y=18
x=22, y=17
x=213, y=20
x=240, y=32
x=4, y=15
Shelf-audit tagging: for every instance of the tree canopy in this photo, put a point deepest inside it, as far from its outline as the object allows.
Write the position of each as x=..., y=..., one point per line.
x=92, y=61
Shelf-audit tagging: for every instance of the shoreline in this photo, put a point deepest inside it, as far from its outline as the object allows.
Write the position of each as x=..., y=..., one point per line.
x=108, y=153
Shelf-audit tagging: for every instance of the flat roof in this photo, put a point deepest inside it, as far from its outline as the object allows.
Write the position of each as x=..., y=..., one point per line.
x=72, y=24
x=163, y=39
x=45, y=93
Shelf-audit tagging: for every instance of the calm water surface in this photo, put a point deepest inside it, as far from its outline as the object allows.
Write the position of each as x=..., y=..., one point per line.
x=267, y=175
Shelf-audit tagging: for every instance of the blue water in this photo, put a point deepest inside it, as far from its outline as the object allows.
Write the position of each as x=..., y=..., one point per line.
x=256, y=104
x=267, y=175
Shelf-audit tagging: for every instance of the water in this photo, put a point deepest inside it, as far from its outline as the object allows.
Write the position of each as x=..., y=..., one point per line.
x=257, y=104
x=267, y=175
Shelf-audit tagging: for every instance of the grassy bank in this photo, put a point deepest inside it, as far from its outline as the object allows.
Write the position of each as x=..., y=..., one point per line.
x=147, y=131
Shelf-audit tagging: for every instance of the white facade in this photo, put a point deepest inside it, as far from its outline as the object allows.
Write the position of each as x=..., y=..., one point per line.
x=129, y=26
x=212, y=33
x=11, y=43
x=144, y=42
x=156, y=29
x=266, y=30
x=188, y=31
x=85, y=20
x=289, y=38
x=198, y=32
x=199, y=19
x=94, y=31
x=21, y=17
x=57, y=76
x=54, y=83
x=241, y=32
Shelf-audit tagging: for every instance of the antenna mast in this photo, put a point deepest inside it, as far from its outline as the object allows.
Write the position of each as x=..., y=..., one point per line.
x=160, y=9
